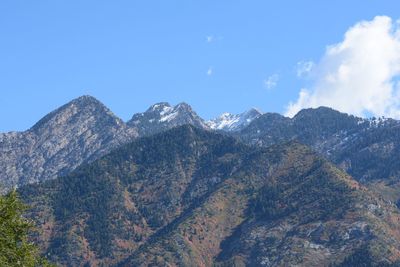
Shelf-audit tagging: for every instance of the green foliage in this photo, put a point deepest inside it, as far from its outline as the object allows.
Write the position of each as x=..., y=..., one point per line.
x=310, y=125
x=361, y=257
x=146, y=190
x=266, y=204
x=153, y=171
x=316, y=188
x=374, y=154
x=15, y=248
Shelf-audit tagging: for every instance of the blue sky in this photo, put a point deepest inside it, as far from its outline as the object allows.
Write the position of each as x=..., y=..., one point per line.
x=215, y=55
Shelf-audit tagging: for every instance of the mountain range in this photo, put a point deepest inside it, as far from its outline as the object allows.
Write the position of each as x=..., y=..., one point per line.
x=168, y=188
x=83, y=130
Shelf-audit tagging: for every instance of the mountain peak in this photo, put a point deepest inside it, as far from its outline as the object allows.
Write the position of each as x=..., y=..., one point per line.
x=162, y=116
x=83, y=106
x=320, y=111
x=74, y=133
x=327, y=119
x=184, y=106
x=255, y=110
x=87, y=102
x=86, y=99
x=158, y=107
x=234, y=122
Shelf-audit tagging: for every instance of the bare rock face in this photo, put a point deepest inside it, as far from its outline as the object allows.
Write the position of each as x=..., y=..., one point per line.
x=78, y=132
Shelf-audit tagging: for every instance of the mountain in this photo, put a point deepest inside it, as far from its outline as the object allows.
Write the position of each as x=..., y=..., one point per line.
x=79, y=131
x=368, y=149
x=84, y=129
x=191, y=197
x=234, y=122
x=346, y=140
x=157, y=191
x=103, y=211
x=309, y=126
x=162, y=116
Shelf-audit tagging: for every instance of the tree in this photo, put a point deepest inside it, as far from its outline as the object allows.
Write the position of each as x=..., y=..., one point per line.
x=15, y=247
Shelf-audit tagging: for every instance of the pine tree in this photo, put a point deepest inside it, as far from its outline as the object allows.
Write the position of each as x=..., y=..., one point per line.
x=15, y=247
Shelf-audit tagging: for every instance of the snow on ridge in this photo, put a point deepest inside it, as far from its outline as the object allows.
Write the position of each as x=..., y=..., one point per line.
x=168, y=116
x=169, y=113
x=166, y=110
x=159, y=106
x=233, y=122
x=374, y=122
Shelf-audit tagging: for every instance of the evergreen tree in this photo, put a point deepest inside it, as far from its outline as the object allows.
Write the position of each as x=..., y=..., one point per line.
x=15, y=248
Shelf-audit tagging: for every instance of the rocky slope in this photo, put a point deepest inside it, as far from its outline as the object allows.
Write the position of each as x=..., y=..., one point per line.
x=77, y=132
x=190, y=197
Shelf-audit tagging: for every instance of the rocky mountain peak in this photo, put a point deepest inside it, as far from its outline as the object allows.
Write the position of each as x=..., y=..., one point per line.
x=234, y=122
x=158, y=107
x=78, y=131
x=163, y=116
x=184, y=107
x=254, y=112
x=82, y=110
x=86, y=99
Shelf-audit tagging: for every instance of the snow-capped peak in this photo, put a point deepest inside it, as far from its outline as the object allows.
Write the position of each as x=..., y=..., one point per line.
x=159, y=107
x=161, y=116
x=234, y=122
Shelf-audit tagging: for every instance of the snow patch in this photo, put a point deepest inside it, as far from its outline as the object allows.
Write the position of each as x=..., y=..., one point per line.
x=166, y=110
x=169, y=117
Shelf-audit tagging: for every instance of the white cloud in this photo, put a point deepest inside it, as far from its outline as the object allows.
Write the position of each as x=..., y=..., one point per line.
x=304, y=68
x=359, y=75
x=271, y=81
x=209, y=71
x=210, y=38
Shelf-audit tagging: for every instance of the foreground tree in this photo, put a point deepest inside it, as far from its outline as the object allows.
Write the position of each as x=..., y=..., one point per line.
x=15, y=248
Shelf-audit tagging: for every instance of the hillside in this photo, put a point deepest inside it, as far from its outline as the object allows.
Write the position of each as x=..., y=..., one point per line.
x=195, y=198
x=367, y=149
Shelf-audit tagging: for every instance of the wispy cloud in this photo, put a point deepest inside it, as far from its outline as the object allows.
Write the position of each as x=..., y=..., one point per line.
x=359, y=75
x=272, y=81
x=213, y=38
x=209, y=71
x=304, y=68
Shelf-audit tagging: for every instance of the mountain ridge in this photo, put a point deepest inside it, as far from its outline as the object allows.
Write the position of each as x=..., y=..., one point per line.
x=175, y=191
x=68, y=129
